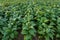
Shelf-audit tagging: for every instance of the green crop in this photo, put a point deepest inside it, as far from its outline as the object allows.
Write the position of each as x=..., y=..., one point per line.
x=31, y=18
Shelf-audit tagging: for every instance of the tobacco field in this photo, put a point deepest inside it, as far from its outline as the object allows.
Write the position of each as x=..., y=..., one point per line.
x=33, y=19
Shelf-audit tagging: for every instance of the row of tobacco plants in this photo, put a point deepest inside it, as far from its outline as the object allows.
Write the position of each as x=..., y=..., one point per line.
x=32, y=18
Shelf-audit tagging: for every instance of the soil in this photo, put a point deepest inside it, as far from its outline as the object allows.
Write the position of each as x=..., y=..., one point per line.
x=21, y=37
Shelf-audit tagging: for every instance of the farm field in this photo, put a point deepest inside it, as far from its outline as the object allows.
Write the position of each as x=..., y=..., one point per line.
x=29, y=19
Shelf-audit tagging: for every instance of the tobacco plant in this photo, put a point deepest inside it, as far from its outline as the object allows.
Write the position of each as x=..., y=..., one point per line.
x=31, y=18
